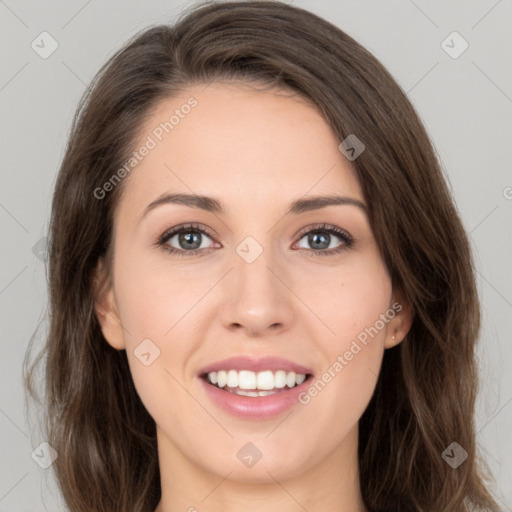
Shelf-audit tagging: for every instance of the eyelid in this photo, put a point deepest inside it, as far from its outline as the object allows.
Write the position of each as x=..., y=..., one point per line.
x=322, y=226
x=192, y=226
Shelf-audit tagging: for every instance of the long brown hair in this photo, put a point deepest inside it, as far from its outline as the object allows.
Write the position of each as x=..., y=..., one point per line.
x=425, y=394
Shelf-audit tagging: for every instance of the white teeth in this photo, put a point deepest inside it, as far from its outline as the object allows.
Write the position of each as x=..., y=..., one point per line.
x=280, y=379
x=222, y=378
x=290, y=380
x=299, y=379
x=252, y=393
x=263, y=381
x=232, y=381
x=246, y=380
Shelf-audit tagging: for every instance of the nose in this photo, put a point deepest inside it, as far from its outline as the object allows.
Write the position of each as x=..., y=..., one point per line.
x=259, y=298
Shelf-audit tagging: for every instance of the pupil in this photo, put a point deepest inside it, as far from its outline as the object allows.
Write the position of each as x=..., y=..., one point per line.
x=190, y=240
x=321, y=241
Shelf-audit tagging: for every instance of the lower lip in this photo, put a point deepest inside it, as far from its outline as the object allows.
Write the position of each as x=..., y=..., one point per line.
x=258, y=407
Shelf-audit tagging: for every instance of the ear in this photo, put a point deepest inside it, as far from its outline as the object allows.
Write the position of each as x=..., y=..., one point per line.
x=105, y=307
x=400, y=324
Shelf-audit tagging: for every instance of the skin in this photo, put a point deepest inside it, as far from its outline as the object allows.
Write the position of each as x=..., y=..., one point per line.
x=256, y=151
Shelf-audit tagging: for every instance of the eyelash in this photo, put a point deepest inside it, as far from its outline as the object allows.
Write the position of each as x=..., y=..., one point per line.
x=348, y=241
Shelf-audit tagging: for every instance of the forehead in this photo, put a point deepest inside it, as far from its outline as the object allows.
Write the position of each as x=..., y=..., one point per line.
x=243, y=145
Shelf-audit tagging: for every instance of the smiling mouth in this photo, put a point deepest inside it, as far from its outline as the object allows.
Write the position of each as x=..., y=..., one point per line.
x=251, y=384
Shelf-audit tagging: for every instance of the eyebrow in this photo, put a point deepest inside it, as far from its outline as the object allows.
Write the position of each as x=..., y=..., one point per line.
x=213, y=205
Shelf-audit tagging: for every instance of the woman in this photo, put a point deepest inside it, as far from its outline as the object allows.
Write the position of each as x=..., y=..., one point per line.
x=262, y=295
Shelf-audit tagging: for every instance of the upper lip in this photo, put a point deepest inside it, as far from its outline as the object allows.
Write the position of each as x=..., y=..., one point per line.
x=255, y=364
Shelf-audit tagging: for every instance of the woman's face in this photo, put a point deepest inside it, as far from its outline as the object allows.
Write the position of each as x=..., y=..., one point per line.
x=254, y=284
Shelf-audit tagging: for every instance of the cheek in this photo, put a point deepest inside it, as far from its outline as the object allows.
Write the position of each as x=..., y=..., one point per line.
x=159, y=309
x=154, y=299
x=349, y=300
x=356, y=308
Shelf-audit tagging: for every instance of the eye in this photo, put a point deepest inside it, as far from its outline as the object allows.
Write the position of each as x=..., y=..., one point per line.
x=185, y=239
x=321, y=240
x=192, y=240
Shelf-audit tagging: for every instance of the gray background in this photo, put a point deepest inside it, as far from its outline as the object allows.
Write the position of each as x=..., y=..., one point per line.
x=465, y=103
